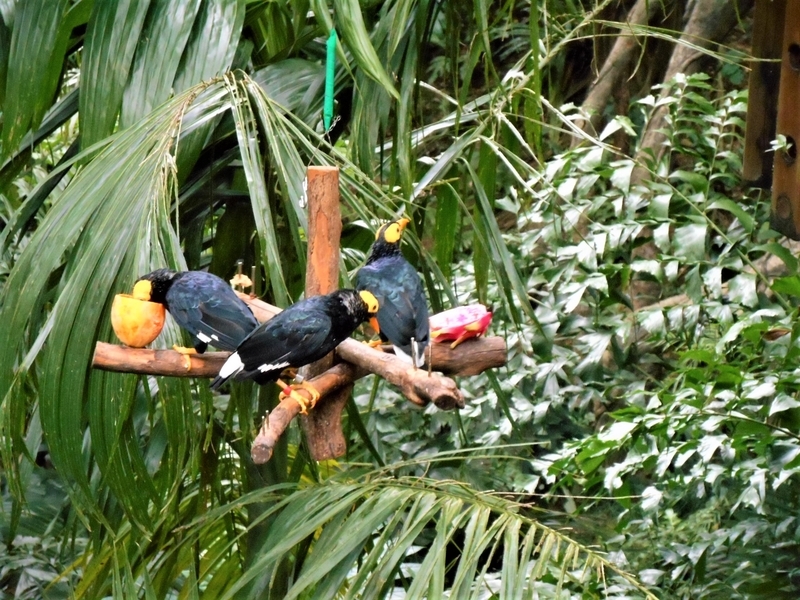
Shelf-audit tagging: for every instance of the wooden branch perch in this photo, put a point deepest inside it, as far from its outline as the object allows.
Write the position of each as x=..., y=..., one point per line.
x=276, y=422
x=470, y=358
x=323, y=426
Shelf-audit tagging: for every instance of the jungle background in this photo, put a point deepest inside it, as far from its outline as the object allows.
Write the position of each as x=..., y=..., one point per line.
x=576, y=165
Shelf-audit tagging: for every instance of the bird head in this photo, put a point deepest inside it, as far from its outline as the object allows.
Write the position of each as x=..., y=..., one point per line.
x=372, y=308
x=153, y=286
x=392, y=231
x=387, y=240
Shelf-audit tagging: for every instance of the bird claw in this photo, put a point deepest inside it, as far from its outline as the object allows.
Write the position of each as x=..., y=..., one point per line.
x=187, y=355
x=290, y=391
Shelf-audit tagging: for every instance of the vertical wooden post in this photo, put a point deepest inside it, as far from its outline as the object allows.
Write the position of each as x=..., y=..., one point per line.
x=323, y=425
x=763, y=87
x=785, y=213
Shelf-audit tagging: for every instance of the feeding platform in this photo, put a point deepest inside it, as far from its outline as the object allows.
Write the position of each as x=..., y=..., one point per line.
x=333, y=380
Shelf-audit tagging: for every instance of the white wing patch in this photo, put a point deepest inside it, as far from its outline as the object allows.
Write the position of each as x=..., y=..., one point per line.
x=232, y=366
x=420, y=358
x=400, y=354
x=271, y=367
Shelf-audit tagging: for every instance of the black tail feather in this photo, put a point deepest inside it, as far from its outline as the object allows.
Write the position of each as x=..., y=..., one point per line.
x=218, y=381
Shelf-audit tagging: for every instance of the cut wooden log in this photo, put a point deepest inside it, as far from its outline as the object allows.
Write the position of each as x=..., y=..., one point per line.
x=763, y=85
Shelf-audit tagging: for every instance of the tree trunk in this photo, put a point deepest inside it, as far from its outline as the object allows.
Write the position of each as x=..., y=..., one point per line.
x=616, y=68
x=709, y=23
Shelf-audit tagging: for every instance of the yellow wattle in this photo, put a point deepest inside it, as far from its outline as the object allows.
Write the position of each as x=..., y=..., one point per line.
x=142, y=290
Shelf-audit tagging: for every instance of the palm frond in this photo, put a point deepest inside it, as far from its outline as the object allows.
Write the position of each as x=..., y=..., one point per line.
x=432, y=539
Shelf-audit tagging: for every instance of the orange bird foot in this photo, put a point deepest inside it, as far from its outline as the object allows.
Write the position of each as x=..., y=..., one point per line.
x=187, y=355
x=290, y=391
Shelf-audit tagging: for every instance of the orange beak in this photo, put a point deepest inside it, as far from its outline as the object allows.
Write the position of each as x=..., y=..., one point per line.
x=373, y=322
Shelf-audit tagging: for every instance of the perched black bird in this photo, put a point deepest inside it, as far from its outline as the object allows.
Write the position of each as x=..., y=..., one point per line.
x=201, y=303
x=301, y=334
x=403, y=314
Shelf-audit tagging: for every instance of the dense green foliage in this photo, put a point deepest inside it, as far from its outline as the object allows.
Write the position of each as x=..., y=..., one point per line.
x=630, y=448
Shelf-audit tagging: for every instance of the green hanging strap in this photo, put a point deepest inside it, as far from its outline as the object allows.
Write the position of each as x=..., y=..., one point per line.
x=330, y=64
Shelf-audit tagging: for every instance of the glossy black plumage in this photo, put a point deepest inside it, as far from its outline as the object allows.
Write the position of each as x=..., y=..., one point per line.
x=301, y=334
x=204, y=305
x=403, y=312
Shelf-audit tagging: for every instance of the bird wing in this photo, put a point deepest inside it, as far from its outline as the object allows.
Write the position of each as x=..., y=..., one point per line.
x=403, y=310
x=210, y=310
x=291, y=338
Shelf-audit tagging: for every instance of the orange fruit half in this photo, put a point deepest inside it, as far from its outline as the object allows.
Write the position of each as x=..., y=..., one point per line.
x=136, y=322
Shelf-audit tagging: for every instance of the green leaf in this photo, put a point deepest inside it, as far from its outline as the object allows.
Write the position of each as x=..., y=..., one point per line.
x=110, y=224
x=296, y=85
x=354, y=33
x=5, y=51
x=212, y=42
x=742, y=289
x=504, y=267
x=747, y=221
x=447, y=221
x=782, y=252
x=209, y=53
x=158, y=55
x=111, y=39
x=32, y=78
x=697, y=181
x=689, y=242
x=787, y=285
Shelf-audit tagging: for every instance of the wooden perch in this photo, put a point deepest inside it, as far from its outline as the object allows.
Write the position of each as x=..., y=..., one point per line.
x=470, y=358
x=276, y=422
x=416, y=385
x=323, y=426
x=142, y=361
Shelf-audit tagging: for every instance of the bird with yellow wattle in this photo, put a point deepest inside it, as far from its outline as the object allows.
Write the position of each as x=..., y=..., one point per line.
x=202, y=304
x=301, y=334
x=402, y=319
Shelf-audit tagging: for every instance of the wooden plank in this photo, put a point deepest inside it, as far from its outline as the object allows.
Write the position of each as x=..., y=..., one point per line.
x=785, y=213
x=762, y=107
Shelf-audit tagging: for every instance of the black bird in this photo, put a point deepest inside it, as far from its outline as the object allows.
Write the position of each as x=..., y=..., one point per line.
x=201, y=303
x=403, y=314
x=301, y=334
